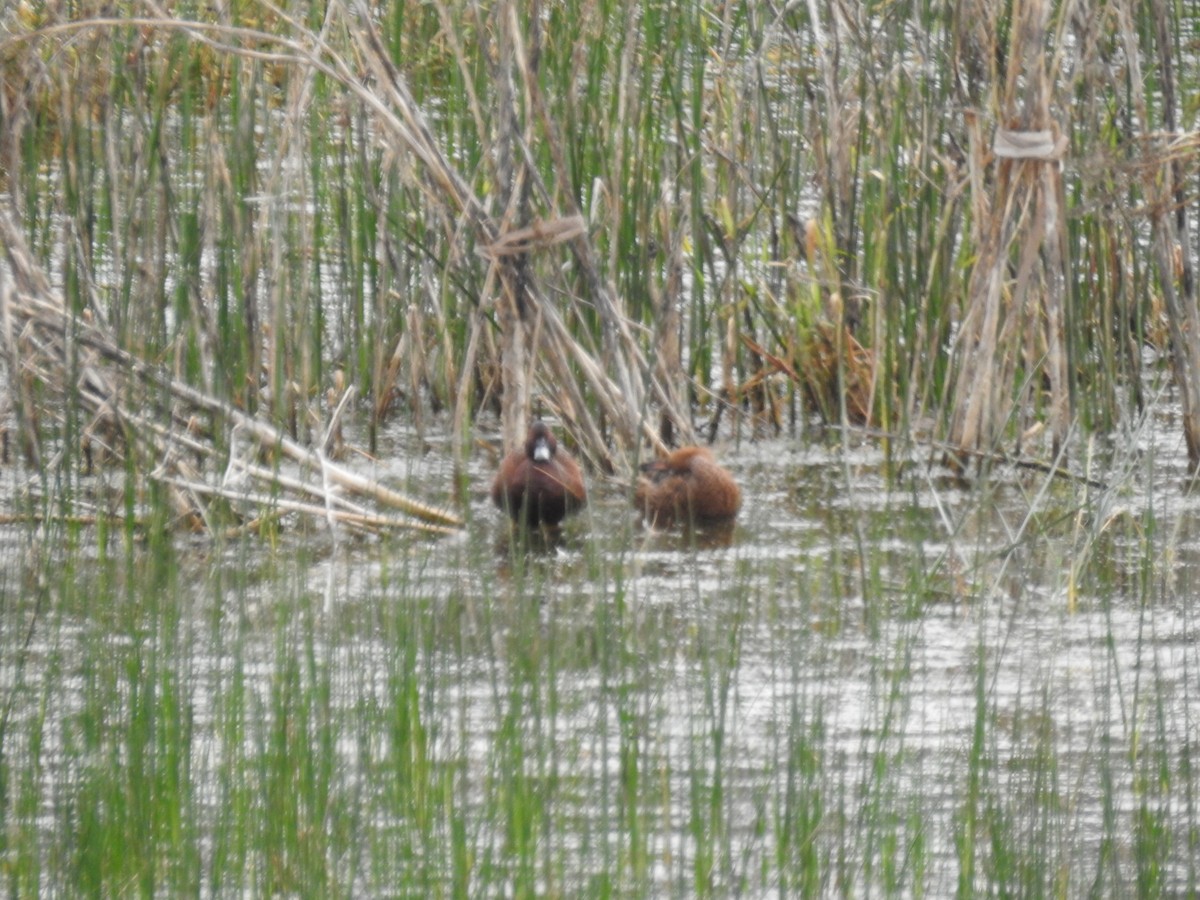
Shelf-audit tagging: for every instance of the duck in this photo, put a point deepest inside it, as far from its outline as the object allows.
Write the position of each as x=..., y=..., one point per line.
x=688, y=486
x=539, y=484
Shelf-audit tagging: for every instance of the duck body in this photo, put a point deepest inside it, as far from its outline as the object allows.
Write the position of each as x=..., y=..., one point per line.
x=686, y=486
x=539, y=484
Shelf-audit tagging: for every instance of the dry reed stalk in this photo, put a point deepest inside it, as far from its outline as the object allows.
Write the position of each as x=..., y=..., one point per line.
x=514, y=304
x=1022, y=214
x=834, y=144
x=668, y=366
x=160, y=415
x=358, y=520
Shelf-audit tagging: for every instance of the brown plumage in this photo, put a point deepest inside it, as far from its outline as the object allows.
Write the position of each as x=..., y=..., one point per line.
x=686, y=486
x=539, y=484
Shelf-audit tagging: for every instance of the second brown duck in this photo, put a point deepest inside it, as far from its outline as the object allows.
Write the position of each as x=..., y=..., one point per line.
x=686, y=486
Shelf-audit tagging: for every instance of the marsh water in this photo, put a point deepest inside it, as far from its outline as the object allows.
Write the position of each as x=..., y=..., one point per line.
x=885, y=679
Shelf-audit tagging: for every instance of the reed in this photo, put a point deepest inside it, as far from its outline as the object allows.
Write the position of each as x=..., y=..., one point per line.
x=781, y=214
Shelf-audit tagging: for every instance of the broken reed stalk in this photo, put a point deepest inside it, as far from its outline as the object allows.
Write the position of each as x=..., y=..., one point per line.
x=43, y=340
x=1014, y=330
x=515, y=305
x=668, y=367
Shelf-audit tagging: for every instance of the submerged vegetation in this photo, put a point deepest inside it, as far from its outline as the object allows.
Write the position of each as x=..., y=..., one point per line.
x=250, y=253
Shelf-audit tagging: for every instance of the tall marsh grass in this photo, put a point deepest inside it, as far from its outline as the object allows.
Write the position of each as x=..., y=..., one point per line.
x=797, y=198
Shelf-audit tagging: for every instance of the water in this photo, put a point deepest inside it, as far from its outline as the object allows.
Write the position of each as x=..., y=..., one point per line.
x=891, y=669
x=884, y=680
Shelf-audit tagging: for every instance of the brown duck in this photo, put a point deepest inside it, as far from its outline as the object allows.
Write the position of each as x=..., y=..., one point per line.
x=539, y=484
x=688, y=486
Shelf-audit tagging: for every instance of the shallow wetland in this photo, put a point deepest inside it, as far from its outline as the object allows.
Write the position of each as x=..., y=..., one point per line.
x=884, y=680
x=258, y=260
